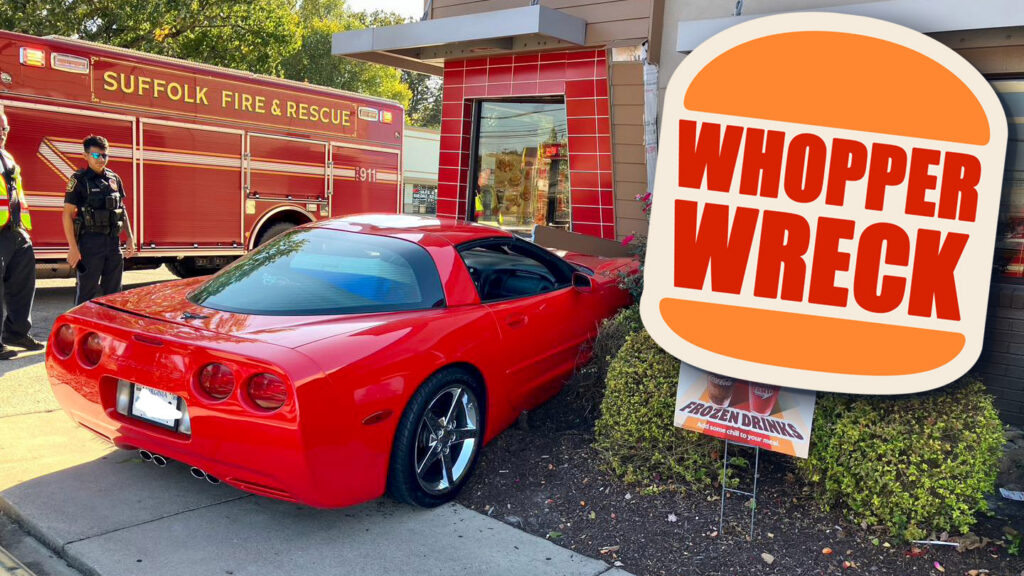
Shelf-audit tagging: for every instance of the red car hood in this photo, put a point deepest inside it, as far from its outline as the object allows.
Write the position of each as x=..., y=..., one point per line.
x=168, y=302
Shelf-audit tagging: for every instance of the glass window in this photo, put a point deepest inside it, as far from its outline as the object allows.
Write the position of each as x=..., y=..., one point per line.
x=521, y=166
x=1009, y=260
x=319, y=271
x=420, y=199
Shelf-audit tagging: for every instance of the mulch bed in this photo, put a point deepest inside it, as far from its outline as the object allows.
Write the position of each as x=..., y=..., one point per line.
x=544, y=477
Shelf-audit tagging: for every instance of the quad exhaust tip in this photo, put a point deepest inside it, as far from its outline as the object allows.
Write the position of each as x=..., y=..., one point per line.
x=200, y=474
x=157, y=459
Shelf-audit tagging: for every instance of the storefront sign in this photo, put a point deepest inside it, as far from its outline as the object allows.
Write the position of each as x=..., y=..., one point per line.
x=825, y=207
x=759, y=415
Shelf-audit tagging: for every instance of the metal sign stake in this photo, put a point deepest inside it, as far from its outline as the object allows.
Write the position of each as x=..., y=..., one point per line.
x=753, y=494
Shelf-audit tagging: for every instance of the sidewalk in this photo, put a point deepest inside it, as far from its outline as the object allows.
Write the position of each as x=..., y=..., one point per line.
x=108, y=513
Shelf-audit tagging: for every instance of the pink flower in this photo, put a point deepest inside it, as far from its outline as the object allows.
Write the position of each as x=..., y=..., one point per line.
x=628, y=239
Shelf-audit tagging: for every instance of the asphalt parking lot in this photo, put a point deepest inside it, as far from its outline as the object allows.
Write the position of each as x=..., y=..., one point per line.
x=75, y=499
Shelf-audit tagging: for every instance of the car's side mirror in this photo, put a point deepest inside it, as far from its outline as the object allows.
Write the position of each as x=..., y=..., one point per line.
x=582, y=282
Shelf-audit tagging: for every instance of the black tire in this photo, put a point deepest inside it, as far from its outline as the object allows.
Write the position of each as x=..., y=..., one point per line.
x=273, y=231
x=451, y=447
x=185, y=268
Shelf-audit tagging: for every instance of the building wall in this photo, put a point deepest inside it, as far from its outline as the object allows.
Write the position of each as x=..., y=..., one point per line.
x=582, y=77
x=420, y=149
x=630, y=161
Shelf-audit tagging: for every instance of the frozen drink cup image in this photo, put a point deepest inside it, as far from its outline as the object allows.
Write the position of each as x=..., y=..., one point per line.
x=762, y=398
x=720, y=389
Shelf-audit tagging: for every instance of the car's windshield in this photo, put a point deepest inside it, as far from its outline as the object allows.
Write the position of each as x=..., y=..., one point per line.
x=320, y=271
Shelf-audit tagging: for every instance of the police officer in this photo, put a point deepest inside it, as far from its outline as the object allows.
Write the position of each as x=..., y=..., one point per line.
x=94, y=217
x=17, y=260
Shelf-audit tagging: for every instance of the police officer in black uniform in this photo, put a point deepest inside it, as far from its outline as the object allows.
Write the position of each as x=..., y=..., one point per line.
x=94, y=217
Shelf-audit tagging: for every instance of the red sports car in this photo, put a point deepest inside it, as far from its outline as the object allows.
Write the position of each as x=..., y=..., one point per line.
x=343, y=359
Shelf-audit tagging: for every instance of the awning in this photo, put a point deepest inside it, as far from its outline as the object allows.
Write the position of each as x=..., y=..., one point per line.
x=424, y=46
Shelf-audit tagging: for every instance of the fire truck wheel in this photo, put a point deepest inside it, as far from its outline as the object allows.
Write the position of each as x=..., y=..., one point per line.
x=275, y=230
x=185, y=268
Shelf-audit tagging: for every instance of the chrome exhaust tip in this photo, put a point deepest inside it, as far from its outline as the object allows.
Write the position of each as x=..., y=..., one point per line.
x=146, y=455
x=159, y=460
x=197, y=473
x=212, y=479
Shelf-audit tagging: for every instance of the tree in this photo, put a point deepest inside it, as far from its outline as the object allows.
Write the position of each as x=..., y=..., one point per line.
x=314, y=63
x=425, y=106
x=253, y=36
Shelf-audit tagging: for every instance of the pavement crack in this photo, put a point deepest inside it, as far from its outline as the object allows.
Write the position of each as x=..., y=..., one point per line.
x=64, y=547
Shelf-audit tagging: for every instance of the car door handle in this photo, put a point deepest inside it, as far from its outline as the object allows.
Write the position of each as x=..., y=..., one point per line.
x=516, y=321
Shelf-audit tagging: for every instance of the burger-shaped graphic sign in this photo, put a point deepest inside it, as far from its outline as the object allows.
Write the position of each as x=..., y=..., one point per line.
x=825, y=205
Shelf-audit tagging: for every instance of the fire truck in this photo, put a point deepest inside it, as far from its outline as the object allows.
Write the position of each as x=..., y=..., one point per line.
x=214, y=161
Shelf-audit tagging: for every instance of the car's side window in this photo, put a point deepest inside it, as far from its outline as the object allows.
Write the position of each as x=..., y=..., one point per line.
x=508, y=269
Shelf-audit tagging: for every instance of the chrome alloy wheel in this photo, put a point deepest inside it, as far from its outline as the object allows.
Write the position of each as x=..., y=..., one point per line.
x=447, y=439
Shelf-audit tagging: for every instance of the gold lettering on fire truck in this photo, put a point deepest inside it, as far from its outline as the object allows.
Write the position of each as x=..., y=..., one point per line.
x=158, y=89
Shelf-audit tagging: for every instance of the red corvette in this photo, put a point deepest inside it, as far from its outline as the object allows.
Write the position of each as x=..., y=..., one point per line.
x=344, y=359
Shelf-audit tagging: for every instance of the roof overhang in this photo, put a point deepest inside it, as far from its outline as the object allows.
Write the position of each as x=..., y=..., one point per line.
x=926, y=16
x=424, y=46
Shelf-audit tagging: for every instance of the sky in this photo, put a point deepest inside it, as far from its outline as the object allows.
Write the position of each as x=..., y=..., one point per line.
x=412, y=8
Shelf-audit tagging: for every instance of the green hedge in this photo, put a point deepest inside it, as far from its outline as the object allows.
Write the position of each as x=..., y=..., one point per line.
x=635, y=432
x=916, y=464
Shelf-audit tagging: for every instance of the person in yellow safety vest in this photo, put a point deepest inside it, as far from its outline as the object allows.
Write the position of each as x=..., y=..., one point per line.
x=17, y=259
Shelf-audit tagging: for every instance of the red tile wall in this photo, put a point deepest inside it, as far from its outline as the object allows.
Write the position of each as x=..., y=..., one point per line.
x=582, y=78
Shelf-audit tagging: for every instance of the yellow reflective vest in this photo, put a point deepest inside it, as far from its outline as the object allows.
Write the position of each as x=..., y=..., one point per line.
x=5, y=201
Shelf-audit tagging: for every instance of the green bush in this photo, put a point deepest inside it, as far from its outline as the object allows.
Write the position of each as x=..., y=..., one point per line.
x=635, y=434
x=915, y=464
x=589, y=384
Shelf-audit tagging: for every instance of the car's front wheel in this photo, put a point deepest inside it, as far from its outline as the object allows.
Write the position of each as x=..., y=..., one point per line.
x=437, y=441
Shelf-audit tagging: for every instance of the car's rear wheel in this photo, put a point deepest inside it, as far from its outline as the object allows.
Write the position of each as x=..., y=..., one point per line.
x=437, y=441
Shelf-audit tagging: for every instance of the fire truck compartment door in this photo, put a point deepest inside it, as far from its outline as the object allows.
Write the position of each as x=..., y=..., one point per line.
x=364, y=179
x=47, y=143
x=283, y=168
x=192, y=186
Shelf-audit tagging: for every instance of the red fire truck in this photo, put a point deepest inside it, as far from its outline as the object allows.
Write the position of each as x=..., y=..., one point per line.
x=214, y=161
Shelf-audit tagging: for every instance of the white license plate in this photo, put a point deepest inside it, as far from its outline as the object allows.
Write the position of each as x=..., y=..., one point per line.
x=156, y=406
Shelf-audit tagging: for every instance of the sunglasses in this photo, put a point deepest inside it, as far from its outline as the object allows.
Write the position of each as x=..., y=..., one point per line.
x=98, y=156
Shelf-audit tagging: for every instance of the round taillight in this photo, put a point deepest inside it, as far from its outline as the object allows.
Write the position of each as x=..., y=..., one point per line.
x=217, y=381
x=267, y=391
x=64, y=342
x=92, y=349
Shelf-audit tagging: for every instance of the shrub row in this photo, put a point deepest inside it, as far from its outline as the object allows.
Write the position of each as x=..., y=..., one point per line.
x=915, y=464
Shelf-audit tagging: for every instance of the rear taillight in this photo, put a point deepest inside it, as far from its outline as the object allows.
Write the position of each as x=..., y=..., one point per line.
x=217, y=381
x=64, y=342
x=267, y=391
x=92, y=349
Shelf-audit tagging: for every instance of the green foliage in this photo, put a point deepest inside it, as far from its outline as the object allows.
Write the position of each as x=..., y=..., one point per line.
x=425, y=106
x=588, y=386
x=313, y=62
x=916, y=464
x=253, y=36
x=635, y=434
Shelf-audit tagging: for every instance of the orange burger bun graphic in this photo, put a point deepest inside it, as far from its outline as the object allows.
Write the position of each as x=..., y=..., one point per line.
x=825, y=206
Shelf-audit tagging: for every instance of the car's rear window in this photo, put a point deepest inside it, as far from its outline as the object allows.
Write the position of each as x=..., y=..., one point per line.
x=319, y=271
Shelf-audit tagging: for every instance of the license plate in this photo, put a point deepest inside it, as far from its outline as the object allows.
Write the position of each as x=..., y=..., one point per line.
x=156, y=406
